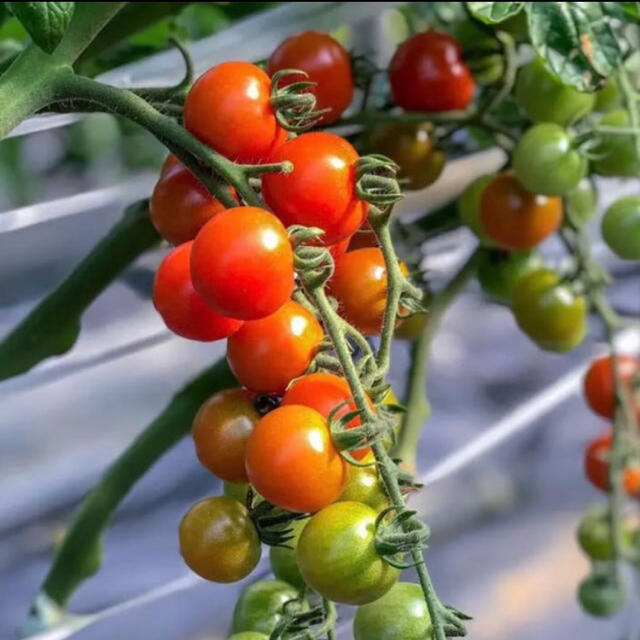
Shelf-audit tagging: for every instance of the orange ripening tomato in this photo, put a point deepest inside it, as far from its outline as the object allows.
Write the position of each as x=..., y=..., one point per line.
x=326, y=62
x=359, y=283
x=596, y=467
x=180, y=204
x=182, y=308
x=229, y=108
x=320, y=191
x=325, y=392
x=242, y=263
x=292, y=462
x=599, y=384
x=269, y=353
x=221, y=430
x=514, y=218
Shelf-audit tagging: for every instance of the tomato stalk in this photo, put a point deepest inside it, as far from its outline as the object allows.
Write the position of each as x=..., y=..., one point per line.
x=631, y=103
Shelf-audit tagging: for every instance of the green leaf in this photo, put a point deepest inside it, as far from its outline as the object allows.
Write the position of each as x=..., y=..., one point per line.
x=491, y=12
x=577, y=41
x=626, y=11
x=46, y=22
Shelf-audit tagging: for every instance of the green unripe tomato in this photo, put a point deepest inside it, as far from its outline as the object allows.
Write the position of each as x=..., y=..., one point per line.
x=544, y=98
x=548, y=311
x=283, y=560
x=401, y=614
x=469, y=207
x=615, y=155
x=621, y=228
x=546, y=162
x=259, y=607
x=609, y=97
x=364, y=486
x=581, y=202
x=601, y=596
x=236, y=490
x=248, y=635
x=498, y=271
x=594, y=534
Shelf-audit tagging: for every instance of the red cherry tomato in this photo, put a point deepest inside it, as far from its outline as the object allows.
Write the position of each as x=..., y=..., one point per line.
x=599, y=385
x=324, y=392
x=182, y=308
x=427, y=73
x=292, y=462
x=319, y=192
x=229, y=108
x=596, y=467
x=268, y=353
x=325, y=61
x=242, y=263
x=364, y=237
x=338, y=249
x=180, y=203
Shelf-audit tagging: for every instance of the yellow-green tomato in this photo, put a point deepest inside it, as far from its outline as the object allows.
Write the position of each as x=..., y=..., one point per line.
x=594, y=534
x=621, y=228
x=337, y=556
x=469, y=207
x=248, y=635
x=236, y=490
x=609, y=97
x=498, y=271
x=401, y=614
x=615, y=155
x=283, y=559
x=260, y=606
x=364, y=486
x=410, y=328
x=548, y=311
x=581, y=202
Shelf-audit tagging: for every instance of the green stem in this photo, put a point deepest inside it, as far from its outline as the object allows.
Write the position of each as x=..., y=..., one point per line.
x=631, y=102
x=418, y=408
x=52, y=327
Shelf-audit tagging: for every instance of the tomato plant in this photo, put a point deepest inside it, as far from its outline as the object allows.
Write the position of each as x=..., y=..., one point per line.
x=499, y=271
x=600, y=387
x=596, y=467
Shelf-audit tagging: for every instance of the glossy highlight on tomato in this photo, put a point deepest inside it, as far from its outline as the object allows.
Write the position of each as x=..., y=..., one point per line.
x=182, y=308
x=242, y=263
x=229, y=108
x=291, y=460
x=320, y=191
x=269, y=353
x=326, y=63
x=599, y=383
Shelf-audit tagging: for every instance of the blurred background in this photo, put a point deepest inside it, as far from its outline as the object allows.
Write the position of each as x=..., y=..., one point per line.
x=501, y=457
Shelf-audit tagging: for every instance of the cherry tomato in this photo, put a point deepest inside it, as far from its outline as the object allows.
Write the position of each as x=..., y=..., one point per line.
x=182, y=308
x=359, y=283
x=248, y=635
x=546, y=162
x=229, y=108
x=220, y=432
x=180, y=204
x=549, y=312
x=515, y=218
x=320, y=191
x=621, y=228
x=364, y=237
x=236, y=490
x=427, y=73
x=365, y=486
x=242, y=263
x=259, y=607
x=609, y=97
x=269, y=353
x=412, y=147
x=615, y=155
x=325, y=61
x=292, y=462
x=218, y=540
x=498, y=271
x=599, y=384
x=337, y=557
x=581, y=202
x=545, y=98
x=469, y=207
x=325, y=392
x=400, y=614
x=601, y=596
x=339, y=248
x=410, y=328
x=283, y=559
x=594, y=534
x=596, y=467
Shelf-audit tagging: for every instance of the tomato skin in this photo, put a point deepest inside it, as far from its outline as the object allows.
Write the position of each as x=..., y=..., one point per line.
x=498, y=271
x=325, y=61
x=320, y=191
x=256, y=355
x=545, y=161
x=359, y=283
x=242, y=263
x=259, y=607
x=596, y=467
x=544, y=98
x=324, y=392
x=609, y=97
x=218, y=540
x=469, y=208
x=616, y=154
x=400, y=614
x=621, y=228
x=182, y=308
x=220, y=432
x=412, y=147
x=549, y=312
x=594, y=534
x=229, y=109
x=600, y=596
x=292, y=461
x=236, y=490
x=283, y=560
x=581, y=202
x=337, y=556
x=336, y=250
x=427, y=73
x=599, y=384
x=515, y=218
x=364, y=486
